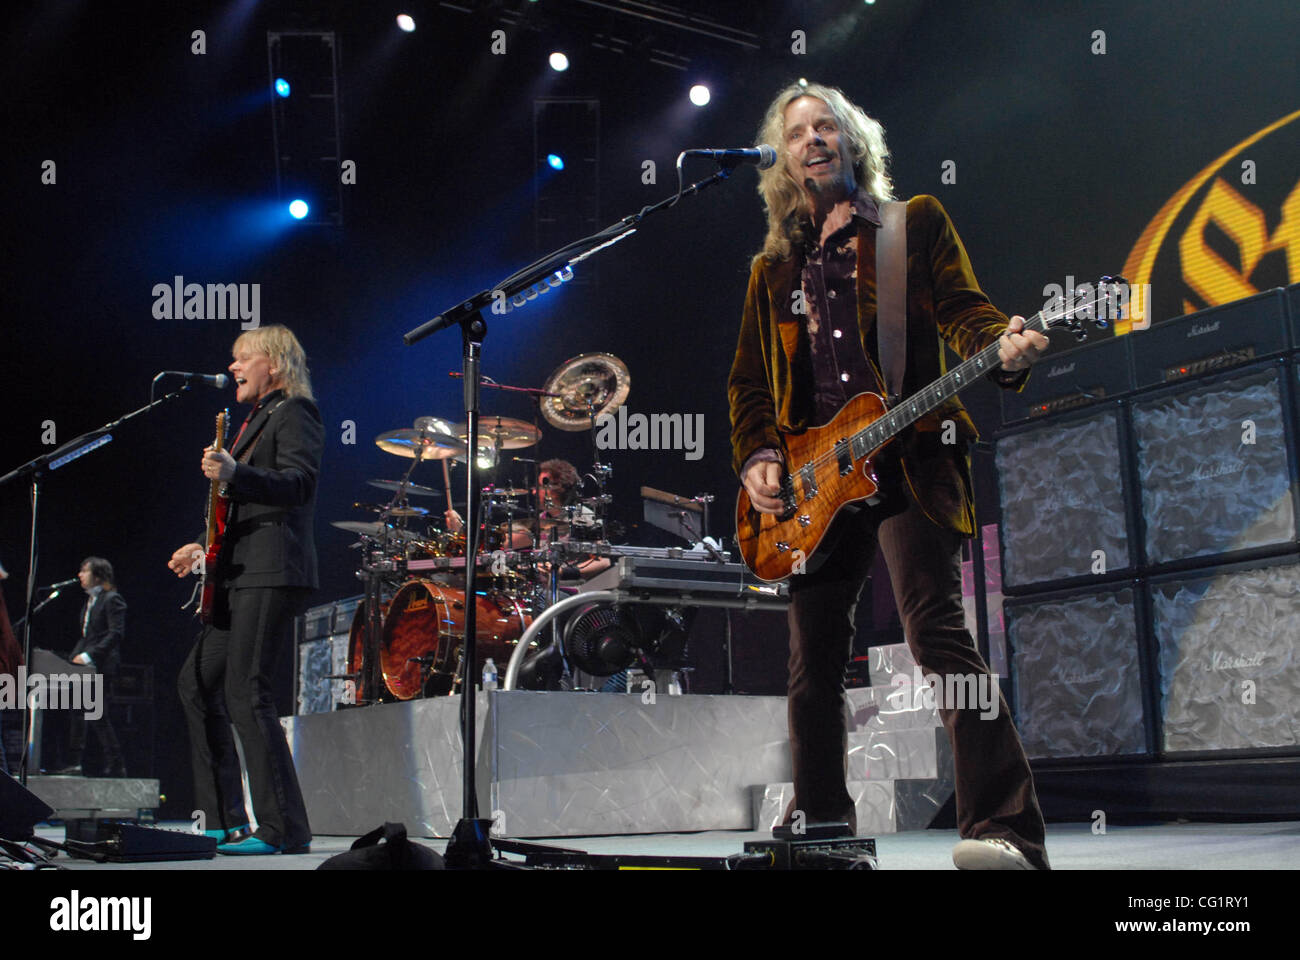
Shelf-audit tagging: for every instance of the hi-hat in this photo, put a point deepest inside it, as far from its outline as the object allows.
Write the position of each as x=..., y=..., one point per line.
x=584, y=387
x=426, y=444
x=412, y=488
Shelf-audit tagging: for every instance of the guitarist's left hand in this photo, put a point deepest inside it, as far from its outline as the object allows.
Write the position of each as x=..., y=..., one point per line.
x=218, y=465
x=1018, y=350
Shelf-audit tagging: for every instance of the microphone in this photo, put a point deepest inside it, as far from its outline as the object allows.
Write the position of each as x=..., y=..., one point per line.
x=218, y=380
x=763, y=155
x=61, y=584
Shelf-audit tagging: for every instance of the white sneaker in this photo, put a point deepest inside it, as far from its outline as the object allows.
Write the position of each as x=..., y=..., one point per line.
x=991, y=854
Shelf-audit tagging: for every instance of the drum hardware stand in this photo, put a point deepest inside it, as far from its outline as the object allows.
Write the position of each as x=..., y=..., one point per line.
x=470, y=846
x=36, y=469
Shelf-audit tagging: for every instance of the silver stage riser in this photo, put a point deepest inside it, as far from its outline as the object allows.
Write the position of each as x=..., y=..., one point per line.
x=575, y=764
x=96, y=797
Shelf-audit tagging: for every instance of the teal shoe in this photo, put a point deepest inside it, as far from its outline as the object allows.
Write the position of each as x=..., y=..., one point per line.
x=249, y=846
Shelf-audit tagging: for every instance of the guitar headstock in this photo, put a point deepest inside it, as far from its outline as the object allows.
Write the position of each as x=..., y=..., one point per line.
x=223, y=427
x=1098, y=303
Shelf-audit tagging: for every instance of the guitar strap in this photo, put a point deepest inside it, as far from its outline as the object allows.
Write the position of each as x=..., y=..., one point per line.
x=891, y=296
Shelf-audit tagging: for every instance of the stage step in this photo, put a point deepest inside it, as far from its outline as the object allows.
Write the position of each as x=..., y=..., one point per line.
x=899, y=756
x=96, y=797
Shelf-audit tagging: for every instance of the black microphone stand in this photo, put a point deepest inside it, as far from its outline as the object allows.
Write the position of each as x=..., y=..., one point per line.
x=470, y=846
x=35, y=470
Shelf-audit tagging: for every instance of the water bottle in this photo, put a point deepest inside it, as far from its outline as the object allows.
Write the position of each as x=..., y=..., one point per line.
x=489, y=676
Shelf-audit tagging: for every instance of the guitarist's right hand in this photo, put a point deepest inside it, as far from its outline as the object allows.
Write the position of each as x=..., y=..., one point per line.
x=184, y=561
x=763, y=484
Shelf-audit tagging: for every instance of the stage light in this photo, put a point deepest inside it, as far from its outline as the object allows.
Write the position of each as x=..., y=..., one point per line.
x=559, y=62
x=282, y=86
x=555, y=160
x=405, y=22
x=699, y=94
x=298, y=209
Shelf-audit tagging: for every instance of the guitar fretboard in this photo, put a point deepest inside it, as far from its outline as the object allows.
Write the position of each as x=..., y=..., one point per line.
x=949, y=385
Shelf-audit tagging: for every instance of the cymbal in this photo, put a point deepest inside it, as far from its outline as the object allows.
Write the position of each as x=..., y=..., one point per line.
x=411, y=488
x=436, y=424
x=507, y=492
x=376, y=531
x=392, y=511
x=588, y=385
x=503, y=433
x=427, y=444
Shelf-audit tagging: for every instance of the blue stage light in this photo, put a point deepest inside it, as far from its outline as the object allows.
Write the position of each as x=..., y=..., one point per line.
x=282, y=86
x=555, y=160
x=298, y=209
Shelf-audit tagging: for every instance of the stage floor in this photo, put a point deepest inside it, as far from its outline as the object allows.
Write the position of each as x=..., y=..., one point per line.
x=1071, y=846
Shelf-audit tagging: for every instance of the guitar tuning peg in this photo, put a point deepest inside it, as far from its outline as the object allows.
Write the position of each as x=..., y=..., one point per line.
x=1080, y=334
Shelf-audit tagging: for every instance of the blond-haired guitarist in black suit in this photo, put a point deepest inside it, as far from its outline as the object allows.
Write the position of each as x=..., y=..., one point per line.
x=266, y=570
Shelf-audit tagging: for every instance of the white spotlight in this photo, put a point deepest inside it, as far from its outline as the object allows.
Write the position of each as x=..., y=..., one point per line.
x=699, y=94
x=559, y=62
x=406, y=22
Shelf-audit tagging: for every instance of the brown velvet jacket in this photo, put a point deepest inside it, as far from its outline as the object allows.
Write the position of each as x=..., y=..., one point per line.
x=771, y=385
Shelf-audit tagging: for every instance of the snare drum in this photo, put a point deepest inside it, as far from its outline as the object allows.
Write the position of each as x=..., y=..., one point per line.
x=427, y=620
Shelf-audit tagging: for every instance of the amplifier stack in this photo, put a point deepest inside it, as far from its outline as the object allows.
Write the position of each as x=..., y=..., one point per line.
x=1151, y=557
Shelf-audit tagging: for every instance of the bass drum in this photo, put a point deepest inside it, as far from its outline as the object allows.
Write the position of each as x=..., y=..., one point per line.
x=426, y=622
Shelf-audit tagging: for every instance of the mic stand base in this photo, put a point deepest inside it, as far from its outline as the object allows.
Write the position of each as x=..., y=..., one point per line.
x=469, y=847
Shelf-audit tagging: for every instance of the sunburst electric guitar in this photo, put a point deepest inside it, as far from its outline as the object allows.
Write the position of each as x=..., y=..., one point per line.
x=832, y=466
x=218, y=510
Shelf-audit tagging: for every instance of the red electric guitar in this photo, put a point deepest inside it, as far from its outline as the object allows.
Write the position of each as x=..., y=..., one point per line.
x=218, y=510
x=832, y=466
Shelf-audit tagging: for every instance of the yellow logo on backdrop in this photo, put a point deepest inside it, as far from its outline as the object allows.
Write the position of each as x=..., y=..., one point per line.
x=1227, y=236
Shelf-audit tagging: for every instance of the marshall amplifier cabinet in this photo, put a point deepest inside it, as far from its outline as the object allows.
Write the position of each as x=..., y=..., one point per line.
x=1293, y=308
x=1208, y=340
x=1294, y=311
x=1062, y=490
x=1071, y=376
x=1229, y=674
x=1077, y=675
x=322, y=654
x=1214, y=466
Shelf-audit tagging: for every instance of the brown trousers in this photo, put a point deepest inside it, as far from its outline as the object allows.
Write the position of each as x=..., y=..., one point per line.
x=995, y=789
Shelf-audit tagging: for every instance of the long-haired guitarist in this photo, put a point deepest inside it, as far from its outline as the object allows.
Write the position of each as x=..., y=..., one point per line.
x=266, y=569
x=808, y=344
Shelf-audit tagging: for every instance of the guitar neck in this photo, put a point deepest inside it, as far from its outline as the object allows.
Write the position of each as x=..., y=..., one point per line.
x=931, y=397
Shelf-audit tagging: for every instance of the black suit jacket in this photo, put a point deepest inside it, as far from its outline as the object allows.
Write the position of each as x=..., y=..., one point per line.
x=102, y=640
x=269, y=539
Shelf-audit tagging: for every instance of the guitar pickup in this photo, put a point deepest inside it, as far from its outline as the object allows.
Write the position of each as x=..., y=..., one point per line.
x=788, y=501
x=808, y=480
x=845, y=457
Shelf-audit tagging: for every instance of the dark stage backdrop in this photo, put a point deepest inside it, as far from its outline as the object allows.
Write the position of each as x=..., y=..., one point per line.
x=1052, y=133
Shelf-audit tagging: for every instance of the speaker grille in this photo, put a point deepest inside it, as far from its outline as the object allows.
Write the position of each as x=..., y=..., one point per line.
x=1078, y=687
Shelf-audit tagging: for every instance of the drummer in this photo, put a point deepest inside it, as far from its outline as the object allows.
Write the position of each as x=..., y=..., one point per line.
x=558, y=486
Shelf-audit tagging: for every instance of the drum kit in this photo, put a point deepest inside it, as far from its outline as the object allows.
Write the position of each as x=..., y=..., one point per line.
x=408, y=632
